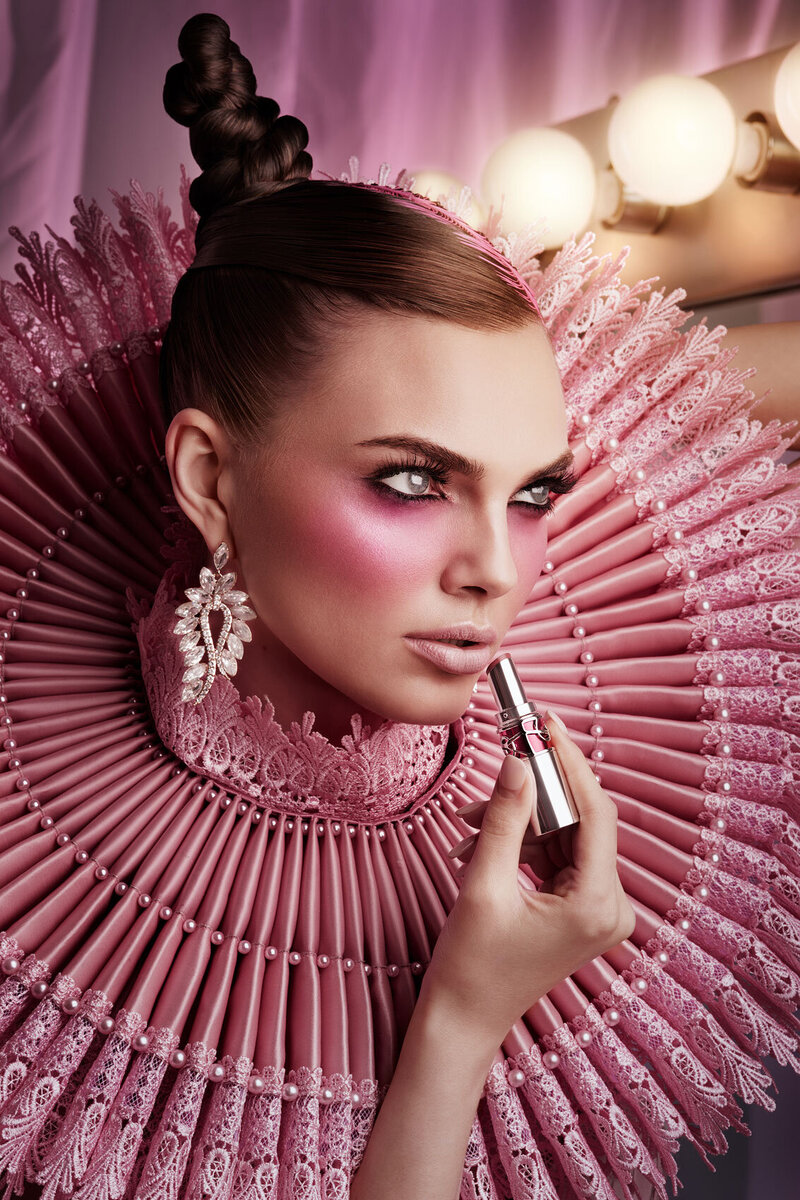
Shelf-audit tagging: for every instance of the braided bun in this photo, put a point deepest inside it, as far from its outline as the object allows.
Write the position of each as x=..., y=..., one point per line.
x=238, y=138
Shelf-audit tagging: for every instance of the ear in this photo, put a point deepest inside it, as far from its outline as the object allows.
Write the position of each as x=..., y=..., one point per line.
x=197, y=451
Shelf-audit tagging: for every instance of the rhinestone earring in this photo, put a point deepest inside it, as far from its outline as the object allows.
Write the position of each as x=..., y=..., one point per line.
x=215, y=593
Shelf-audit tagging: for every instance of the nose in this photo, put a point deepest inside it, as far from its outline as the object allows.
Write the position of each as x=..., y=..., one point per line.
x=480, y=555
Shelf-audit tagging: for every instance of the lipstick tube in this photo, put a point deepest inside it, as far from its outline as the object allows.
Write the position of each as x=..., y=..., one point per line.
x=524, y=734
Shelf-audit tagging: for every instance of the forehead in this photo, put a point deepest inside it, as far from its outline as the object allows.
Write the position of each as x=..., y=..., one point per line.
x=449, y=383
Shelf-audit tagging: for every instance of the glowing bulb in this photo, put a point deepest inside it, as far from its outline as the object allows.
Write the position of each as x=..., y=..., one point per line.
x=672, y=139
x=438, y=185
x=787, y=95
x=542, y=175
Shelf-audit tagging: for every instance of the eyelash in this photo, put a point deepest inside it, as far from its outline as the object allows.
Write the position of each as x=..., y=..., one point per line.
x=387, y=469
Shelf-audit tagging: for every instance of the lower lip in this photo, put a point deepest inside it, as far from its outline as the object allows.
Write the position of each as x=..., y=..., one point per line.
x=456, y=660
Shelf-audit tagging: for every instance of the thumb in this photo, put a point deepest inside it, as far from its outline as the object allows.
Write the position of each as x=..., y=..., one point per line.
x=505, y=821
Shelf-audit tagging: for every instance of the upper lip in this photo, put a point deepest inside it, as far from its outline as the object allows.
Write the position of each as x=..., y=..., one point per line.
x=462, y=633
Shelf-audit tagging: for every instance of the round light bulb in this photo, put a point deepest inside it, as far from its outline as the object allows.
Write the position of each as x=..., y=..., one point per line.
x=438, y=185
x=787, y=95
x=542, y=175
x=672, y=139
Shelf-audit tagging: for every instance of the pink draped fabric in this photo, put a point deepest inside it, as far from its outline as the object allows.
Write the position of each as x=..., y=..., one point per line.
x=420, y=83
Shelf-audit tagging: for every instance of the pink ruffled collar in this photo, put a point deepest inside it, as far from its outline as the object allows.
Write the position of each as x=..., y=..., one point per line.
x=239, y=743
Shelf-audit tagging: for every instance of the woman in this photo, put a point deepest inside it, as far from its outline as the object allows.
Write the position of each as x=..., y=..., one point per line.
x=331, y=356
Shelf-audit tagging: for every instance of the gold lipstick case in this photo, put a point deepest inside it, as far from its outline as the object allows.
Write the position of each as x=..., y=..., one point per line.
x=524, y=734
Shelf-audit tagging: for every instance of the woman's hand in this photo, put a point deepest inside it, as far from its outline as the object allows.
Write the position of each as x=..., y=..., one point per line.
x=504, y=944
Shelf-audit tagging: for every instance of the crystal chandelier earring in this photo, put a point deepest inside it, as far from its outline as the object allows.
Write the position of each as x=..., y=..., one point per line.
x=215, y=593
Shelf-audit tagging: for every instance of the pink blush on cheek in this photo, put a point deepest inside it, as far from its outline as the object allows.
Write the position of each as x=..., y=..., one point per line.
x=528, y=536
x=365, y=546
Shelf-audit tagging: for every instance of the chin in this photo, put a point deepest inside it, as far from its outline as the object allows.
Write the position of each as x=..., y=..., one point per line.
x=438, y=703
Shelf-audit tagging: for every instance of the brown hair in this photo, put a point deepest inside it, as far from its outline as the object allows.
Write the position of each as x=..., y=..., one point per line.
x=286, y=264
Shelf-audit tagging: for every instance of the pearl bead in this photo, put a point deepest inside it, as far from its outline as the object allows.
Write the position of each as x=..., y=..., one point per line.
x=70, y=1005
x=393, y=970
x=106, y=1025
x=165, y=912
x=216, y=1073
x=326, y=1095
x=323, y=961
x=715, y=857
x=561, y=588
x=295, y=957
x=701, y=892
x=724, y=787
x=141, y=1042
x=639, y=986
x=703, y=606
x=712, y=642
x=691, y=574
x=416, y=968
x=39, y=989
x=724, y=749
x=32, y=805
x=177, y=1059
x=348, y=964
x=217, y=937
x=367, y=969
x=11, y=965
x=640, y=475
x=571, y=610
x=583, y=1037
x=722, y=713
x=585, y=420
x=598, y=755
x=595, y=706
x=579, y=631
x=23, y=784
x=101, y=872
x=516, y=1078
x=684, y=924
x=658, y=506
x=719, y=824
x=290, y=1091
x=256, y=1084
x=596, y=731
x=81, y=856
x=587, y=657
x=62, y=839
x=551, y=1059
x=270, y=952
x=612, y=1016
x=289, y=826
x=12, y=614
x=355, y=1099
x=675, y=537
x=189, y=925
x=337, y=828
x=351, y=829
x=548, y=567
x=611, y=444
x=244, y=946
x=592, y=681
x=717, y=678
x=662, y=957
x=145, y=900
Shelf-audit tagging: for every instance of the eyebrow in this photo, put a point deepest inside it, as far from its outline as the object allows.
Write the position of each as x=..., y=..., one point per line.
x=450, y=460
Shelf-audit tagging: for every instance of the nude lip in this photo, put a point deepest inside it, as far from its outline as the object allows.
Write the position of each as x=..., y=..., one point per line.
x=456, y=660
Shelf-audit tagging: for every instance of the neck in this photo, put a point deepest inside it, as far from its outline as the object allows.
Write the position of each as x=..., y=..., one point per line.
x=270, y=669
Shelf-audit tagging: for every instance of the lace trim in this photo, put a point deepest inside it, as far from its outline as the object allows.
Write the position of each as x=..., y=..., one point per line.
x=240, y=745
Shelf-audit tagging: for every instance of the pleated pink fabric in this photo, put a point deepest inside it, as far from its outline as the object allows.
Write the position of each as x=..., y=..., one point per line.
x=215, y=928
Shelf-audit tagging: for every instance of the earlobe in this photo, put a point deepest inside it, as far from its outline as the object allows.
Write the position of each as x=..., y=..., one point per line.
x=195, y=451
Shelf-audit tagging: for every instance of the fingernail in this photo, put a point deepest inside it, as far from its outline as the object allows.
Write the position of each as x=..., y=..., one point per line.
x=466, y=809
x=512, y=773
x=556, y=719
x=462, y=845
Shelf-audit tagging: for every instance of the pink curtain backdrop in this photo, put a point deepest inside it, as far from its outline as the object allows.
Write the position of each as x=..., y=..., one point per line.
x=419, y=83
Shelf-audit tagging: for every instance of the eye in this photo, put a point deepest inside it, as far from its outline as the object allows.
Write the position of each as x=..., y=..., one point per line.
x=417, y=480
x=539, y=493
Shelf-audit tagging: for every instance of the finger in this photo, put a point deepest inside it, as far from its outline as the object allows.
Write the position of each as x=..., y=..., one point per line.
x=594, y=839
x=507, y=816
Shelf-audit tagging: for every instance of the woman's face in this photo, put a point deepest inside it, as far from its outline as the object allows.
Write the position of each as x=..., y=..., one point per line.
x=350, y=540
